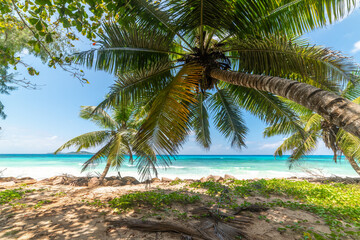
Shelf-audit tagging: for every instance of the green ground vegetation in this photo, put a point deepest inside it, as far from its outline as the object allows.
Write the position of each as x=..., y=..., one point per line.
x=10, y=195
x=337, y=204
x=332, y=203
x=155, y=199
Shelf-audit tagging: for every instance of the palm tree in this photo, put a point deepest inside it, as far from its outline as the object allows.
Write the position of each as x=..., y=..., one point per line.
x=316, y=128
x=115, y=140
x=170, y=55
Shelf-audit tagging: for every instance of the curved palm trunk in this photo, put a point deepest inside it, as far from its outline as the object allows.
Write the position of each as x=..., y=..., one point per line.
x=107, y=167
x=335, y=109
x=352, y=162
x=354, y=165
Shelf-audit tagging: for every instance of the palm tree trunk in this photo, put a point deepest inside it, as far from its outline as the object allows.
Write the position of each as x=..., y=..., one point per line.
x=354, y=165
x=352, y=162
x=107, y=167
x=336, y=110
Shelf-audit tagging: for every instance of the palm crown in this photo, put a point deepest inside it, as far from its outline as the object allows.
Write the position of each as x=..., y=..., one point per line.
x=115, y=141
x=173, y=57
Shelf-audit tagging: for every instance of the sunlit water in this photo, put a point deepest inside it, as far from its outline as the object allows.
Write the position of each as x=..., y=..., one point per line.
x=41, y=166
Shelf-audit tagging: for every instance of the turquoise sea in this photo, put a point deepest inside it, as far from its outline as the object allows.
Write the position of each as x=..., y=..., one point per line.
x=41, y=166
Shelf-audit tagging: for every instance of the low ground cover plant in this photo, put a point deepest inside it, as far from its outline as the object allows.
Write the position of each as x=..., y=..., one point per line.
x=9, y=195
x=337, y=203
x=154, y=199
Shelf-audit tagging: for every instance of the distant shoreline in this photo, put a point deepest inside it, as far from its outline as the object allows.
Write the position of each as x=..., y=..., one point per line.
x=40, y=166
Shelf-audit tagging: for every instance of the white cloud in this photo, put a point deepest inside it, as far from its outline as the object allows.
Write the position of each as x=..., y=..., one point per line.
x=22, y=140
x=271, y=145
x=356, y=47
x=16, y=143
x=52, y=138
x=24, y=53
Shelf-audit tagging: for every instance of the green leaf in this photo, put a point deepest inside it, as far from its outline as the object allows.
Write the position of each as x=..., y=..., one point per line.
x=49, y=38
x=37, y=47
x=228, y=119
x=39, y=26
x=33, y=21
x=200, y=121
x=167, y=124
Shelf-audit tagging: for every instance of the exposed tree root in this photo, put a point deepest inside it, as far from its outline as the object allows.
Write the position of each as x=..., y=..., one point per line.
x=153, y=226
x=212, y=225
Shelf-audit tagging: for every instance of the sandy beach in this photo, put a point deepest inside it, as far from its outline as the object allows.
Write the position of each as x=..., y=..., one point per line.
x=58, y=208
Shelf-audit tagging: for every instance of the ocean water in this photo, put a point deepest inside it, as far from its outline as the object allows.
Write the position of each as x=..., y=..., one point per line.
x=42, y=166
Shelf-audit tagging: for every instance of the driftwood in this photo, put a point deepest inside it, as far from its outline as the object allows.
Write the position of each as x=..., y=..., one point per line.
x=153, y=226
x=213, y=224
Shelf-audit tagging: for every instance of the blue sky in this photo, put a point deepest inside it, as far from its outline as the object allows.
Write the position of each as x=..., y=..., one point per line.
x=39, y=121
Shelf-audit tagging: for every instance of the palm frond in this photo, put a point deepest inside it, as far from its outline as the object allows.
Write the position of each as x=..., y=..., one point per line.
x=97, y=157
x=305, y=147
x=267, y=107
x=227, y=117
x=315, y=65
x=356, y=100
x=87, y=140
x=154, y=15
x=349, y=145
x=167, y=124
x=147, y=161
x=200, y=121
x=139, y=85
x=118, y=150
x=98, y=116
x=313, y=123
x=299, y=146
x=195, y=14
x=294, y=16
x=128, y=47
x=147, y=166
x=351, y=91
x=297, y=108
x=2, y=114
x=122, y=114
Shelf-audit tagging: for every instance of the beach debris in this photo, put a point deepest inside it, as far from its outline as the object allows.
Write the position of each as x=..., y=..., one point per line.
x=229, y=177
x=213, y=224
x=189, y=180
x=8, y=179
x=155, y=180
x=29, y=181
x=203, y=179
x=7, y=184
x=129, y=180
x=59, y=180
x=78, y=181
x=219, y=225
x=94, y=182
x=215, y=178
x=165, y=179
x=114, y=183
x=155, y=226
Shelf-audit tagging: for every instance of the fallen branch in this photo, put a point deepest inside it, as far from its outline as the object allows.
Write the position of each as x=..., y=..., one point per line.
x=213, y=224
x=152, y=226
